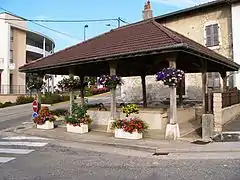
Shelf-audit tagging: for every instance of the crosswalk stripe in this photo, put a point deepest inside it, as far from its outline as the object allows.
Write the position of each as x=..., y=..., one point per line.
x=6, y=159
x=22, y=143
x=24, y=138
x=16, y=151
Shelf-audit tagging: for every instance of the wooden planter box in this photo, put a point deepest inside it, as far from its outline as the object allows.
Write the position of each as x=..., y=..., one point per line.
x=46, y=125
x=120, y=133
x=77, y=129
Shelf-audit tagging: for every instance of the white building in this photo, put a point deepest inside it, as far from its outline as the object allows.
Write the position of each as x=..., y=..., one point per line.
x=19, y=45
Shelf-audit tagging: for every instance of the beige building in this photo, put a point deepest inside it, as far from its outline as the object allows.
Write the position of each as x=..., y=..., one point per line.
x=209, y=24
x=18, y=46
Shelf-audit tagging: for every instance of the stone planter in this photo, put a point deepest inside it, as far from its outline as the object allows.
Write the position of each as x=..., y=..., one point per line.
x=77, y=129
x=120, y=133
x=46, y=125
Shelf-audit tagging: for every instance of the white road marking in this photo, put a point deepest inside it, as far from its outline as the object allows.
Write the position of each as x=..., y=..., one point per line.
x=24, y=138
x=6, y=159
x=16, y=151
x=22, y=143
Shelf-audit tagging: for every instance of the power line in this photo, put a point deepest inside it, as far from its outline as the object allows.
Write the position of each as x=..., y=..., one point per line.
x=54, y=30
x=63, y=21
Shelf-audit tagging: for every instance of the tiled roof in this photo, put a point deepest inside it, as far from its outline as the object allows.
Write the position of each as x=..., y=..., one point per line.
x=140, y=37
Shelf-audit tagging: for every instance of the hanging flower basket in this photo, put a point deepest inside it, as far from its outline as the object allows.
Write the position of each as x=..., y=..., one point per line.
x=170, y=76
x=110, y=82
x=69, y=84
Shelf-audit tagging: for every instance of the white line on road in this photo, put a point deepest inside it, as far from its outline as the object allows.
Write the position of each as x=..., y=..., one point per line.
x=22, y=143
x=16, y=151
x=6, y=159
x=24, y=138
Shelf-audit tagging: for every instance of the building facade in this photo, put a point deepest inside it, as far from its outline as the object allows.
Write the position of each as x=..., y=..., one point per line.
x=214, y=25
x=18, y=46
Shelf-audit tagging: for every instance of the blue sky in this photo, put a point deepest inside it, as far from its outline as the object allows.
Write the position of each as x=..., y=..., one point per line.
x=128, y=10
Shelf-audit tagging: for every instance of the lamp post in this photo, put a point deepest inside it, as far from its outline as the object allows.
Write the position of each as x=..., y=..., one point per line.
x=85, y=27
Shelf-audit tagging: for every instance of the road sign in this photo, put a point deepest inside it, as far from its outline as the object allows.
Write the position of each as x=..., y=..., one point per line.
x=34, y=115
x=35, y=106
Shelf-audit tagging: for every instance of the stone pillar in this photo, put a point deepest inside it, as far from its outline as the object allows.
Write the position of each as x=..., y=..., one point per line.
x=224, y=78
x=144, y=92
x=82, y=90
x=113, y=71
x=204, y=89
x=217, y=112
x=172, y=131
x=207, y=126
x=71, y=94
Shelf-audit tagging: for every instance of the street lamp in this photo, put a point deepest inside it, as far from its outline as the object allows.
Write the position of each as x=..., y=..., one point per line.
x=85, y=27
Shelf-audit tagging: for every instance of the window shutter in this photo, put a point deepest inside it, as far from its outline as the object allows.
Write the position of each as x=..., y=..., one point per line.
x=215, y=35
x=216, y=80
x=208, y=35
x=210, y=79
x=212, y=35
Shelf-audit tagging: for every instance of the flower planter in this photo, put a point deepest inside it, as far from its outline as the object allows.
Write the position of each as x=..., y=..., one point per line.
x=46, y=125
x=120, y=133
x=77, y=129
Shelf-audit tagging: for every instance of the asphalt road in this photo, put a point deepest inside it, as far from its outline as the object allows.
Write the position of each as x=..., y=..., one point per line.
x=16, y=115
x=69, y=161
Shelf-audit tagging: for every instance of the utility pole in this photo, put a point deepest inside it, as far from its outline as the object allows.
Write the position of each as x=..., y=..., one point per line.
x=119, y=21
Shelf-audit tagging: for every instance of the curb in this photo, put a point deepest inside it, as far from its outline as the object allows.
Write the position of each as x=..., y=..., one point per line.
x=116, y=145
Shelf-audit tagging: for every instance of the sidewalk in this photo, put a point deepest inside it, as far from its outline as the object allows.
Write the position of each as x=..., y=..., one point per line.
x=146, y=144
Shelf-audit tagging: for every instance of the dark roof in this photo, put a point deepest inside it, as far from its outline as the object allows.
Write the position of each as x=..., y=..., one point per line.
x=195, y=8
x=141, y=37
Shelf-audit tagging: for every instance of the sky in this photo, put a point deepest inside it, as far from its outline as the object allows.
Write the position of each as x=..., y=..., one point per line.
x=128, y=10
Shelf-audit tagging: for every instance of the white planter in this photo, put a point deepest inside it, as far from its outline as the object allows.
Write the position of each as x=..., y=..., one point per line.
x=77, y=129
x=46, y=125
x=120, y=133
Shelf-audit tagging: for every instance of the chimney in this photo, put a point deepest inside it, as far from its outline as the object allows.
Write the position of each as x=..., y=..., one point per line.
x=147, y=12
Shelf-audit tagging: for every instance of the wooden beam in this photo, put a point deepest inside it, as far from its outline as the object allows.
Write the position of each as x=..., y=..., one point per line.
x=204, y=89
x=224, y=78
x=144, y=92
x=82, y=87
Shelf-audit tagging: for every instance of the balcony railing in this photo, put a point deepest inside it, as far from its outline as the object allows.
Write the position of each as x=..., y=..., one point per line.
x=37, y=50
x=13, y=89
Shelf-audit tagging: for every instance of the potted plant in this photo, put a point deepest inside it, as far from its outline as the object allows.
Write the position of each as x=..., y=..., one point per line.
x=129, y=127
x=110, y=81
x=44, y=120
x=78, y=121
x=170, y=76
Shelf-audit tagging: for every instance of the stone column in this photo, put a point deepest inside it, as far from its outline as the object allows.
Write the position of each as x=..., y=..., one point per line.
x=144, y=92
x=113, y=70
x=172, y=131
x=82, y=90
x=217, y=112
x=71, y=93
x=224, y=78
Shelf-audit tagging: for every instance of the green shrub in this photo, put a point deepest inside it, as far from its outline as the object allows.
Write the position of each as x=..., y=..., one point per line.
x=54, y=98
x=59, y=112
x=24, y=99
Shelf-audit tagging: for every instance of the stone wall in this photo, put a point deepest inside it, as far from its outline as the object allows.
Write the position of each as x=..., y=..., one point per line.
x=131, y=90
x=223, y=115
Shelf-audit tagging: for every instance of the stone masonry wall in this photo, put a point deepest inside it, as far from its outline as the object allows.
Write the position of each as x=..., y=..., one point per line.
x=131, y=90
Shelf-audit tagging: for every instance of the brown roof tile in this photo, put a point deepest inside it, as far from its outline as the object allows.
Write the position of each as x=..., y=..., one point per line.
x=139, y=37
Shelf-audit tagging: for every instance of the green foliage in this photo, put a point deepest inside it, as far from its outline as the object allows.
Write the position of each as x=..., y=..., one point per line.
x=43, y=116
x=79, y=115
x=59, y=112
x=35, y=81
x=24, y=99
x=69, y=84
x=7, y=104
x=130, y=109
x=54, y=98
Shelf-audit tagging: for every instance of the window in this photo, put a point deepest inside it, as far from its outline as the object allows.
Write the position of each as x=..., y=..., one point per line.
x=11, y=34
x=212, y=35
x=11, y=56
x=213, y=80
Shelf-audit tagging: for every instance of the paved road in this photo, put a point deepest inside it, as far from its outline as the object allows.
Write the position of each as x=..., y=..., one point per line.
x=15, y=115
x=52, y=160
